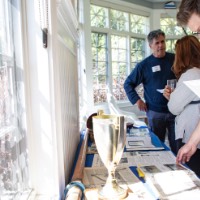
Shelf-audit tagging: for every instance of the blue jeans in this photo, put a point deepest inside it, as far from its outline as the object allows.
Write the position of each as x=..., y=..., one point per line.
x=160, y=124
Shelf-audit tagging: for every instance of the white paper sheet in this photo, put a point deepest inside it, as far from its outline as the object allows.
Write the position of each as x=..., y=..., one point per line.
x=145, y=158
x=160, y=90
x=175, y=185
x=139, y=124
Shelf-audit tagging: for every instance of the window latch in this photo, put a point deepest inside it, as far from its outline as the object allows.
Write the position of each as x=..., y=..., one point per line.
x=44, y=37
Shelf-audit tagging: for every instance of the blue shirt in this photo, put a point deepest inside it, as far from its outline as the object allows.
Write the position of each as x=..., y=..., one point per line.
x=153, y=73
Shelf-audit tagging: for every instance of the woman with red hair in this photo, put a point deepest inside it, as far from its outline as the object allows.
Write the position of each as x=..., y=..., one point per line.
x=182, y=101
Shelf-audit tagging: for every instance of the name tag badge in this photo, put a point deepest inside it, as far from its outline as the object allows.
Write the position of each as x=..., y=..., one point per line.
x=156, y=68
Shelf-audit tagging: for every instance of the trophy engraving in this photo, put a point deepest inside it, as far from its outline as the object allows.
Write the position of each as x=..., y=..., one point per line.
x=110, y=136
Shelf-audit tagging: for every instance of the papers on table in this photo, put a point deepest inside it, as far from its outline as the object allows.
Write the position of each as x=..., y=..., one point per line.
x=141, y=143
x=164, y=179
x=141, y=158
x=138, y=132
x=176, y=184
x=141, y=139
x=194, y=85
x=139, y=124
x=95, y=178
x=147, y=158
x=98, y=163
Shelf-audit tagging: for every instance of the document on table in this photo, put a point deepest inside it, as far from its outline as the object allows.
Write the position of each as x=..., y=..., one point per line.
x=139, y=124
x=138, y=132
x=141, y=143
x=96, y=178
x=143, y=158
x=175, y=185
x=98, y=163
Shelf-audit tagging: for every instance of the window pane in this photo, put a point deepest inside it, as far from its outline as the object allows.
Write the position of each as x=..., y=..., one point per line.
x=99, y=89
x=99, y=16
x=137, y=51
x=119, y=49
x=119, y=65
x=13, y=150
x=139, y=24
x=118, y=87
x=119, y=20
x=170, y=45
x=99, y=53
x=169, y=26
x=123, y=56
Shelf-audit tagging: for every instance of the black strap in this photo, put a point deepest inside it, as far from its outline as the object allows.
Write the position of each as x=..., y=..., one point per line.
x=194, y=102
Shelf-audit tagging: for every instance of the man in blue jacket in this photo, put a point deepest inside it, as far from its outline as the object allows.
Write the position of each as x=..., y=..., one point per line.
x=153, y=72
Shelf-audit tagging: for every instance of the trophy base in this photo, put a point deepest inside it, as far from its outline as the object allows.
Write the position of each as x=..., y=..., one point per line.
x=110, y=192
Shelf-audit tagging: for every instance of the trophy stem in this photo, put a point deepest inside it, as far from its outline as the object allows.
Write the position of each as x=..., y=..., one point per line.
x=112, y=190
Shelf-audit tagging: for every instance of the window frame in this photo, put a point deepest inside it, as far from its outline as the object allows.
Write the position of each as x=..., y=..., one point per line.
x=128, y=35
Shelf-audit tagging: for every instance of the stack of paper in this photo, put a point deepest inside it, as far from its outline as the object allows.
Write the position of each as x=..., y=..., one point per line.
x=174, y=185
x=145, y=142
x=95, y=178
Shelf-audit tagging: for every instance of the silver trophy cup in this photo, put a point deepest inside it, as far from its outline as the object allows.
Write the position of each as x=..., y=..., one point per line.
x=110, y=136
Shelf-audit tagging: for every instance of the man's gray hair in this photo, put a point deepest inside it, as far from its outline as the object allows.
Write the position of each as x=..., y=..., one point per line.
x=154, y=34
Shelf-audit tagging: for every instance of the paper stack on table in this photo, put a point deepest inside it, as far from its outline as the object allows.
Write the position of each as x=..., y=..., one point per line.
x=177, y=184
x=141, y=139
x=95, y=178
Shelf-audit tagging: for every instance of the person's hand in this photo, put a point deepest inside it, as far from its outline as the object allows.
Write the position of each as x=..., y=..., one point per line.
x=185, y=153
x=141, y=105
x=167, y=92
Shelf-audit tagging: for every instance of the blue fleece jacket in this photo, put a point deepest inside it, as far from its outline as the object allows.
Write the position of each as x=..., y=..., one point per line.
x=153, y=73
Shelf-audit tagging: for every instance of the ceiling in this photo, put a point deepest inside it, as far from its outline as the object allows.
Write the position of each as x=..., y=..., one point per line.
x=155, y=4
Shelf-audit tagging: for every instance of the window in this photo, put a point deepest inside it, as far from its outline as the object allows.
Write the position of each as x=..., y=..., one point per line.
x=99, y=53
x=169, y=26
x=119, y=20
x=137, y=51
x=172, y=31
x=170, y=45
x=13, y=152
x=119, y=64
x=139, y=24
x=99, y=16
x=118, y=44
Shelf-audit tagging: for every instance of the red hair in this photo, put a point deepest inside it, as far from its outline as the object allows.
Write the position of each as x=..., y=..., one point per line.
x=187, y=54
